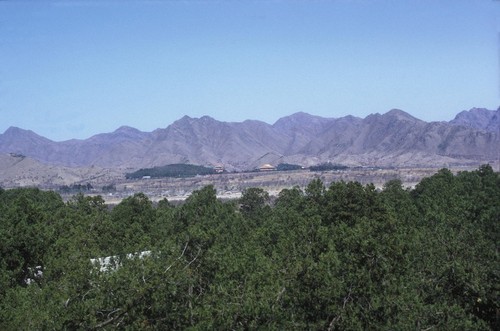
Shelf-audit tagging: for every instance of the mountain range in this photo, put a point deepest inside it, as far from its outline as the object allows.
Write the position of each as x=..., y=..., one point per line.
x=392, y=139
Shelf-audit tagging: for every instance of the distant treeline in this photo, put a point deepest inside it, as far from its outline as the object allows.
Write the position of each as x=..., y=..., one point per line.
x=171, y=170
x=288, y=167
x=190, y=170
x=75, y=188
x=319, y=167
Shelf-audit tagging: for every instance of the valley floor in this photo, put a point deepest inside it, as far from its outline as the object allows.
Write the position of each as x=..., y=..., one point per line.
x=231, y=185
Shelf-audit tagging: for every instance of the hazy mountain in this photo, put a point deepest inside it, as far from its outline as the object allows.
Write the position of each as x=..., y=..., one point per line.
x=17, y=140
x=206, y=140
x=123, y=147
x=26, y=142
x=479, y=118
x=300, y=128
x=118, y=148
x=391, y=139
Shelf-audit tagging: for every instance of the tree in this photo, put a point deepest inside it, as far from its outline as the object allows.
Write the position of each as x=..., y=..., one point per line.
x=254, y=203
x=342, y=258
x=132, y=224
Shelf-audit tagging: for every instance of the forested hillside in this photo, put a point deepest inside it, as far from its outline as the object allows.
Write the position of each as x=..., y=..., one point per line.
x=343, y=257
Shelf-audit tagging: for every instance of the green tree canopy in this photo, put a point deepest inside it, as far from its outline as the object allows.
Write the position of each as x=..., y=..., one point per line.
x=342, y=257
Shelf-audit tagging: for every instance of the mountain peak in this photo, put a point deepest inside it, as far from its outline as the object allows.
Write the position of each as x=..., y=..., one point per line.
x=300, y=119
x=12, y=130
x=126, y=129
x=400, y=114
x=299, y=116
x=478, y=118
x=300, y=138
x=185, y=118
x=128, y=132
x=480, y=110
x=475, y=112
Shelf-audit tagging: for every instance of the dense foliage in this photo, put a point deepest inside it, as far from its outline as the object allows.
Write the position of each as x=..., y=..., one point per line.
x=288, y=167
x=343, y=257
x=172, y=170
x=75, y=188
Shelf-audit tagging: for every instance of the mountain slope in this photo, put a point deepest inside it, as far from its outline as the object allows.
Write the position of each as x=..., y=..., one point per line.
x=396, y=136
x=391, y=139
x=206, y=140
x=301, y=128
x=20, y=141
x=479, y=118
x=19, y=170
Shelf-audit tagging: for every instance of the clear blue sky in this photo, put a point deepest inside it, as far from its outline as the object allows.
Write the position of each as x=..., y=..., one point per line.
x=71, y=69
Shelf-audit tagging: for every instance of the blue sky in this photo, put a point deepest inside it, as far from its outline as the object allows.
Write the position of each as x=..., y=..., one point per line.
x=71, y=69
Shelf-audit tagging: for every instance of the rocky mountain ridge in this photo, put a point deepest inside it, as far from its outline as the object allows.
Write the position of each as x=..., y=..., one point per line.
x=392, y=139
x=479, y=118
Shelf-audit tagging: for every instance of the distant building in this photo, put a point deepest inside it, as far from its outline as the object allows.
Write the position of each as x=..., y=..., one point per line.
x=146, y=177
x=267, y=167
x=219, y=168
